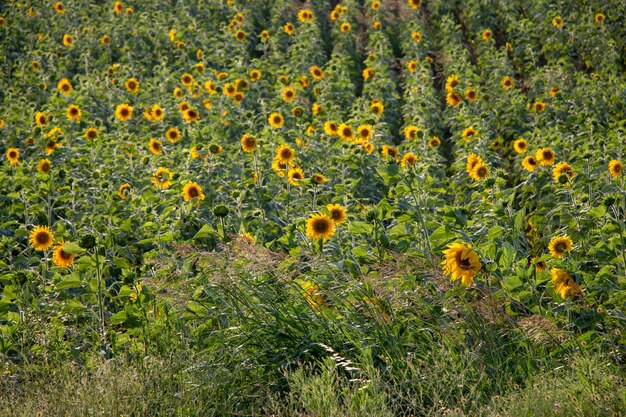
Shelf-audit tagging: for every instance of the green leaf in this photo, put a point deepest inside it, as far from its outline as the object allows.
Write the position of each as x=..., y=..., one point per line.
x=511, y=283
x=206, y=230
x=70, y=281
x=119, y=317
x=72, y=247
x=360, y=228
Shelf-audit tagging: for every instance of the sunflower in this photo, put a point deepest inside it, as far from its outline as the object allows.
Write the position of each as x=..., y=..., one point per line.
x=191, y=115
x=41, y=238
x=472, y=161
x=73, y=112
x=391, y=151
x=161, y=178
x=461, y=262
x=132, y=85
x=183, y=106
x=316, y=72
x=559, y=245
x=187, y=80
x=520, y=145
x=312, y=294
x=337, y=213
x=453, y=98
x=276, y=120
x=255, y=75
x=530, y=163
x=295, y=175
x=414, y=4
x=368, y=73
x=192, y=190
x=172, y=134
x=562, y=169
x=434, y=142
x=318, y=179
x=554, y=91
x=377, y=107
x=557, y=22
x=123, y=191
x=545, y=156
x=288, y=94
x=157, y=113
x=487, y=34
x=316, y=109
x=468, y=132
x=615, y=168
x=124, y=112
x=599, y=18
x=68, y=40
x=64, y=86
x=279, y=167
x=375, y=5
x=471, y=95
x=346, y=27
x=305, y=16
x=105, y=40
x=240, y=35
x=60, y=257
x=479, y=172
x=416, y=36
x=91, y=133
x=289, y=29
x=155, y=147
x=41, y=119
x=331, y=128
x=539, y=106
x=13, y=156
x=411, y=131
x=409, y=160
x=345, y=132
x=451, y=82
x=118, y=6
x=285, y=154
x=248, y=143
x=365, y=132
x=564, y=284
x=321, y=226
x=507, y=82
x=58, y=7
x=44, y=166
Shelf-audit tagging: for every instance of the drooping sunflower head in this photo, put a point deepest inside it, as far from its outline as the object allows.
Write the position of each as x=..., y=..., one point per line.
x=545, y=156
x=461, y=262
x=276, y=120
x=192, y=190
x=559, y=245
x=562, y=172
x=41, y=238
x=408, y=161
x=615, y=168
x=248, y=143
x=124, y=112
x=320, y=226
x=389, y=151
x=60, y=257
x=123, y=191
x=13, y=156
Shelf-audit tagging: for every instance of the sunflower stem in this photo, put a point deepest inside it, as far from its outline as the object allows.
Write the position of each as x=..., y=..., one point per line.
x=100, y=294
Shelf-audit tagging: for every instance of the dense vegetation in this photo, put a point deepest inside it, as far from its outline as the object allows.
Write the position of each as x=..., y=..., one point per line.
x=275, y=207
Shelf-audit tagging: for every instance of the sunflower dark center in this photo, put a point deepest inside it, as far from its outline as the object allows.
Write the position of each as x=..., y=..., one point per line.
x=193, y=192
x=320, y=226
x=42, y=238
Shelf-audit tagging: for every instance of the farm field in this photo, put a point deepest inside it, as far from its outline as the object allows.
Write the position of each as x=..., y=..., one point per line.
x=312, y=208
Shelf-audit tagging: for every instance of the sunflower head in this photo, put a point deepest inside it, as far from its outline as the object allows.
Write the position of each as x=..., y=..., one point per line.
x=123, y=191
x=487, y=34
x=562, y=172
x=60, y=257
x=124, y=112
x=248, y=143
x=337, y=213
x=345, y=132
x=615, y=168
x=192, y=190
x=44, y=166
x=132, y=85
x=559, y=245
x=520, y=145
x=454, y=99
x=461, y=262
x=564, y=284
x=507, y=82
x=276, y=120
x=530, y=163
x=365, y=132
x=295, y=175
x=13, y=156
x=320, y=226
x=434, y=142
x=41, y=238
x=479, y=172
x=285, y=154
x=331, y=128
x=172, y=134
x=408, y=161
x=545, y=156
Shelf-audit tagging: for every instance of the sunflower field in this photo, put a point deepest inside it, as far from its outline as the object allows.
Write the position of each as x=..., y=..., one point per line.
x=312, y=208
